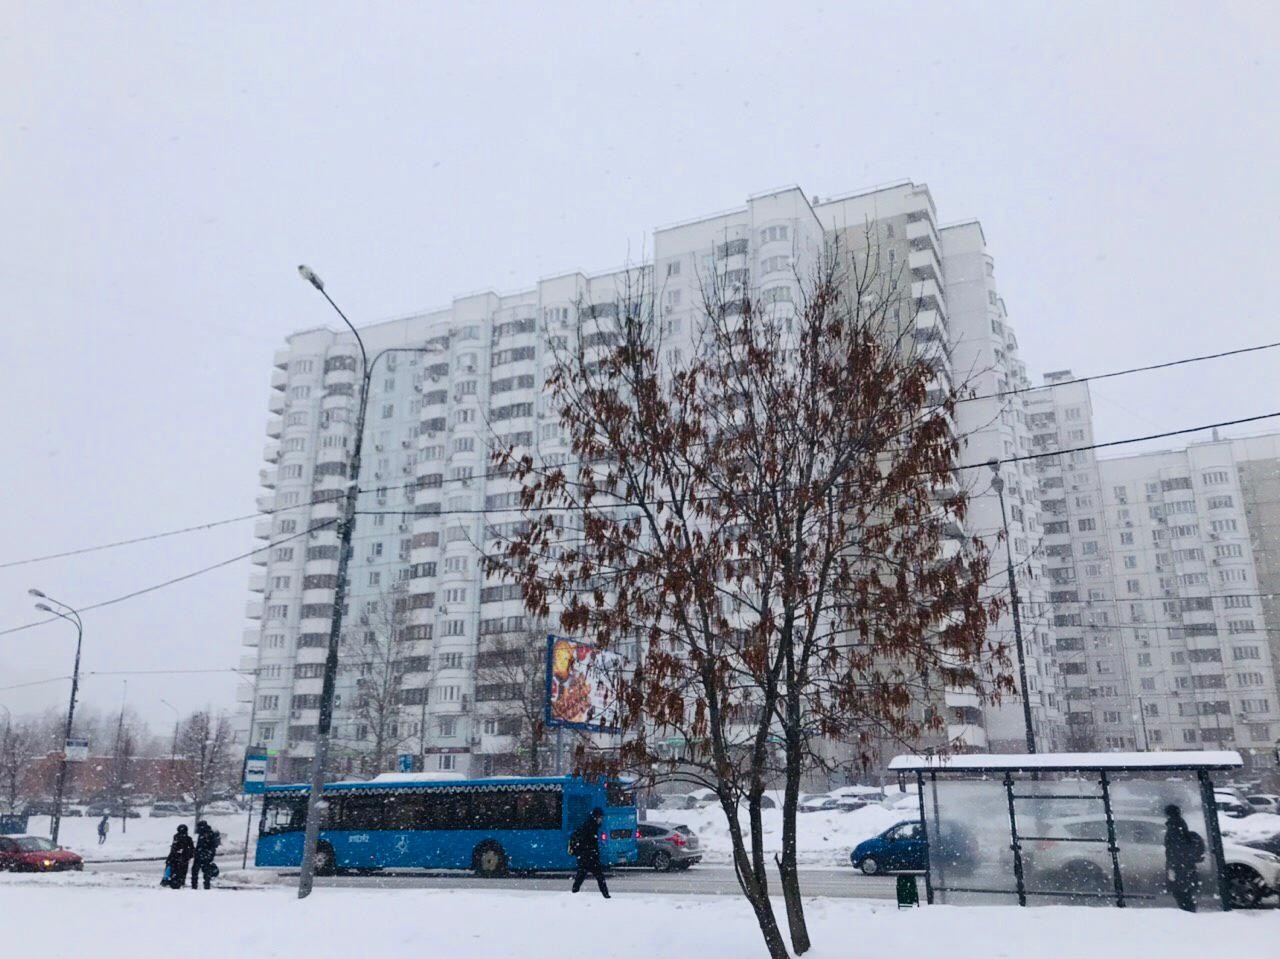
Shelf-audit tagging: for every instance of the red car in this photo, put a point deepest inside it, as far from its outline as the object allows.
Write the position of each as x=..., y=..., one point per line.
x=35, y=854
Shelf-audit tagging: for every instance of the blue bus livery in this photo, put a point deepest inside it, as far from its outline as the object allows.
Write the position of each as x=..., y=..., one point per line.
x=490, y=826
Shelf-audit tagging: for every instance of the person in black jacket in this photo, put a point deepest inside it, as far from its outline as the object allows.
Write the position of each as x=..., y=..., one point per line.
x=1182, y=850
x=584, y=843
x=180, y=852
x=207, y=840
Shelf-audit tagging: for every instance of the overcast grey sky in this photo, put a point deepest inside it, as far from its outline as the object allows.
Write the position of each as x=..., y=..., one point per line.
x=163, y=170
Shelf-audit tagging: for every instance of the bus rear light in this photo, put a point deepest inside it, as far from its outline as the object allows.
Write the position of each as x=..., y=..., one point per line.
x=637, y=833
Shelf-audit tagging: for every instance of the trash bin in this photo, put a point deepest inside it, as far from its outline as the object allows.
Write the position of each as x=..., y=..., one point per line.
x=908, y=893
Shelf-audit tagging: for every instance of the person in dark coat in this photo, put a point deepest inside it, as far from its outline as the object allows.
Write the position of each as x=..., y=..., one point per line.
x=207, y=840
x=181, y=850
x=584, y=844
x=104, y=825
x=1182, y=850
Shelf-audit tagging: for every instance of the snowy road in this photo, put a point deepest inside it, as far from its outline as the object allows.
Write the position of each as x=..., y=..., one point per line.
x=701, y=881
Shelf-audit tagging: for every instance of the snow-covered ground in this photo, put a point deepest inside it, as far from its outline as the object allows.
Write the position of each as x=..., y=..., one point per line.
x=142, y=837
x=270, y=923
x=822, y=838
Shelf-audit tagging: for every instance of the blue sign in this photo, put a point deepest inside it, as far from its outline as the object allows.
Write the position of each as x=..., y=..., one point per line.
x=404, y=763
x=255, y=773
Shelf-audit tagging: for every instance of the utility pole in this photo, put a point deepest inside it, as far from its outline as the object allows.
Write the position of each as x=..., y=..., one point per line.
x=346, y=526
x=998, y=483
x=72, y=617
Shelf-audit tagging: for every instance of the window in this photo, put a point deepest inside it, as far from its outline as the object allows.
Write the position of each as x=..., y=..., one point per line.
x=448, y=726
x=1111, y=717
x=269, y=702
x=1148, y=684
x=464, y=444
x=775, y=264
x=300, y=392
x=1188, y=735
x=295, y=444
x=451, y=660
x=1086, y=525
x=1126, y=539
x=1131, y=561
x=303, y=366
x=1233, y=576
x=278, y=611
x=771, y=233
x=1221, y=502
x=1255, y=705
x=1144, y=659
x=1241, y=653
x=673, y=268
x=449, y=694
x=448, y=762
x=1250, y=679
x=1238, y=602
x=375, y=578
x=1228, y=551
x=1223, y=526
x=455, y=627
x=283, y=554
x=280, y=582
x=464, y=416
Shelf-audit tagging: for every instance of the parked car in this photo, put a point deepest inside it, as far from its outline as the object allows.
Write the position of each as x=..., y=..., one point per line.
x=35, y=854
x=161, y=809
x=676, y=801
x=820, y=803
x=1264, y=802
x=1252, y=874
x=222, y=807
x=1230, y=805
x=665, y=846
x=108, y=809
x=39, y=807
x=853, y=803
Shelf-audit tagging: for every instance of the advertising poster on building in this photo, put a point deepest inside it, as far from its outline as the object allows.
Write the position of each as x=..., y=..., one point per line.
x=580, y=685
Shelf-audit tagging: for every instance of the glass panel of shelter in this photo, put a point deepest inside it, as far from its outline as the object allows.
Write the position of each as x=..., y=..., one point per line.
x=1068, y=836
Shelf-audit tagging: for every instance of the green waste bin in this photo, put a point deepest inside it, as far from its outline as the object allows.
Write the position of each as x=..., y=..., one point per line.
x=908, y=894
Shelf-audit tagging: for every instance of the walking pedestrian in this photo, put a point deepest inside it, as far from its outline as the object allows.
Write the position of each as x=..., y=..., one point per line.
x=207, y=841
x=104, y=826
x=584, y=844
x=181, y=851
x=1182, y=850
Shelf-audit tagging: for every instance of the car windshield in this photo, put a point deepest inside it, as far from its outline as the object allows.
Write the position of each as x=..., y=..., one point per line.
x=35, y=844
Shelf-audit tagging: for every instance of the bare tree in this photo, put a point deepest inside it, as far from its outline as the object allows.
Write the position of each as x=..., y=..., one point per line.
x=377, y=727
x=19, y=746
x=511, y=691
x=120, y=772
x=773, y=513
x=206, y=740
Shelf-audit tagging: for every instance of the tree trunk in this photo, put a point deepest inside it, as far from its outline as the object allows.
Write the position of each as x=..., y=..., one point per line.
x=754, y=882
x=787, y=867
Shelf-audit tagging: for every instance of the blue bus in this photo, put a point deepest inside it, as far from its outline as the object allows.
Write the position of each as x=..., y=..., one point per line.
x=491, y=826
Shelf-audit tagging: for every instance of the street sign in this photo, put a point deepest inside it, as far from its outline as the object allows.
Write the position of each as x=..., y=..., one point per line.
x=404, y=762
x=255, y=772
x=77, y=750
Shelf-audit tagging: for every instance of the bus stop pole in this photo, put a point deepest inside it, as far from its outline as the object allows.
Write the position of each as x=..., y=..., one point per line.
x=1210, y=807
x=248, y=825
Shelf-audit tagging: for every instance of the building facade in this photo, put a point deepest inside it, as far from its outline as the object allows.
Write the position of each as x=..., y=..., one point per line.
x=430, y=502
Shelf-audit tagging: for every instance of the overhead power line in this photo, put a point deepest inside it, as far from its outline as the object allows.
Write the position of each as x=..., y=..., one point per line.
x=492, y=475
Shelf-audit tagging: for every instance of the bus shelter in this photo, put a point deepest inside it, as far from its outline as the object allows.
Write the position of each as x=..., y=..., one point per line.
x=1065, y=827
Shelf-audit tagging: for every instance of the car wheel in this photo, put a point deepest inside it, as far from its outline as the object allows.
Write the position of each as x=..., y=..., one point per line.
x=869, y=866
x=661, y=861
x=489, y=860
x=325, y=862
x=1245, y=888
x=684, y=866
x=1084, y=877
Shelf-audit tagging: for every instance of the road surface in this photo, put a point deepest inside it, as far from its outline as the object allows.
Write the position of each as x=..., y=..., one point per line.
x=700, y=881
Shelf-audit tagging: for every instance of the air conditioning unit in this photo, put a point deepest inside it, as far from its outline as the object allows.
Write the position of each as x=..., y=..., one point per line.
x=405, y=444
x=404, y=527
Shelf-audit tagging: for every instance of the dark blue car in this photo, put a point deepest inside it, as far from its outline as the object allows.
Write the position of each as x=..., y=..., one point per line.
x=900, y=848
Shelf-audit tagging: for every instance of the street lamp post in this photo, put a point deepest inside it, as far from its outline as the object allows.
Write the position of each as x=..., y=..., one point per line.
x=73, y=617
x=998, y=483
x=173, y=748
x=346, y=526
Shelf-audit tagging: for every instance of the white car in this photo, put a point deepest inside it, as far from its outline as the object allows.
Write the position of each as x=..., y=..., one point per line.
x=1264, y=802
x=1252, y=874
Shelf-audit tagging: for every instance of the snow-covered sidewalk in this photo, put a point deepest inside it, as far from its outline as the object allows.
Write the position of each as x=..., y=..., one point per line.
x=142, y=838
x=125, y=923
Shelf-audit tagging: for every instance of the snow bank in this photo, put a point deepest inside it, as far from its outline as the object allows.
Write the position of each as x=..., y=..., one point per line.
x=1262, y=825
x=141, y=837
x=127, y=923
x=823, y=838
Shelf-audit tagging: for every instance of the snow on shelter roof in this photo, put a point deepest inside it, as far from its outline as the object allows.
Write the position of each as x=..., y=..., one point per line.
x=995, y=762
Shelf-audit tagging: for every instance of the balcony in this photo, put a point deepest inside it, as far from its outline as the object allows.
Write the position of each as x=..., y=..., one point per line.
x=262, y=527
x=253, y=609
x=257, y=582
x=275, y=426
x=265, y=502
x=271, y=452
x=244, y=693
x=281, y=359
x=921, y=228
x=267, y=478
x=276, y=403
x=251, y=636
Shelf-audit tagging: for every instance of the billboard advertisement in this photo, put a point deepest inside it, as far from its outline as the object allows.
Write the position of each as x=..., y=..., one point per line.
x=580, y=685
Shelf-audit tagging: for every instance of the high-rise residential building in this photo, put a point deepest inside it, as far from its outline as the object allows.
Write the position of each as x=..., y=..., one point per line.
x=430, y=501
x=1162, y=571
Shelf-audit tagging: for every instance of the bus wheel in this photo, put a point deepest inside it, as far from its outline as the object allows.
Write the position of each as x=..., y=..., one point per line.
x=489, y=860
x=325, y=861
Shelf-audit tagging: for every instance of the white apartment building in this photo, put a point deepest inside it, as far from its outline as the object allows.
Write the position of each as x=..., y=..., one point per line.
x=1162, y=581
x=430, y=502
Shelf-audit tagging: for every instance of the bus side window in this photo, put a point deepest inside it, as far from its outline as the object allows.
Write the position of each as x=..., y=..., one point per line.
x=406, y=812
x=362, y=812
